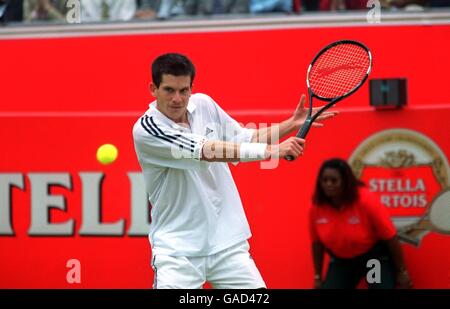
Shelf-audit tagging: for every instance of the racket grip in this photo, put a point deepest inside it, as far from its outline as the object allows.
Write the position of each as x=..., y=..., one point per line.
x=304, y=129
x=301, y=134
x=289, y=158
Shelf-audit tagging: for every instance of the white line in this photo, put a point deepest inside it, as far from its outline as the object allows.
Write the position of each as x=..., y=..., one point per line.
x=233, y=112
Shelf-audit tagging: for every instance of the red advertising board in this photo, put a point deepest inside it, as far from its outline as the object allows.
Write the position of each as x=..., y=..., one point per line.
x=64, y=97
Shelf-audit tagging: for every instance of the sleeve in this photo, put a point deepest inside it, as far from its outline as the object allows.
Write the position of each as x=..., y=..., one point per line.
x=312, y=225
x=231, y=130
x=378, y=216
x=158, y=144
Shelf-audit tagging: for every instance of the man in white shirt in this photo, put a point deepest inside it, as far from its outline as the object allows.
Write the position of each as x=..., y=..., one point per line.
x=183, y=142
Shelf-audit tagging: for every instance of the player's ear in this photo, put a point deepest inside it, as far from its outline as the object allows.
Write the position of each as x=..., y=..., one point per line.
x=153, y=89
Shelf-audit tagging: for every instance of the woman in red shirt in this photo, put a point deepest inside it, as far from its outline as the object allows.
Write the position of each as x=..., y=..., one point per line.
x=348, y=222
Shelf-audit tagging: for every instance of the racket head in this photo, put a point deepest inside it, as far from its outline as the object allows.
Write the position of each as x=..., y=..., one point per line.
x=439, y=212
x=338, y=70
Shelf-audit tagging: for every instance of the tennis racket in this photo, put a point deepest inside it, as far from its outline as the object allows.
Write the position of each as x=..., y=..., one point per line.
x=437, y=218
x=337, y=71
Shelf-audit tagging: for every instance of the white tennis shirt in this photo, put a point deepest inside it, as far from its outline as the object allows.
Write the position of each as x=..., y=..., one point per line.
x=196, y=208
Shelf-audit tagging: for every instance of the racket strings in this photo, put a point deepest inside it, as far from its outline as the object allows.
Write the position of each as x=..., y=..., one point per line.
x=339, y=70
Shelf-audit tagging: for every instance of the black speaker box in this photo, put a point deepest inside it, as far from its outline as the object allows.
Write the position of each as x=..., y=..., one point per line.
x=388, y=93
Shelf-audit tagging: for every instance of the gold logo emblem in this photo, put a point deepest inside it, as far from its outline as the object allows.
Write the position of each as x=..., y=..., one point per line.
x=407, y=171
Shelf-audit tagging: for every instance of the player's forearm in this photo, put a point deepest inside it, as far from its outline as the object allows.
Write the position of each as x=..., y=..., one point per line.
x=272, y=134
x=220, y=151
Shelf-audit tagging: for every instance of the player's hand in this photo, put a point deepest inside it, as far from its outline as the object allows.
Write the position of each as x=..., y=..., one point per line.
x=293, y=146
x=301, y=113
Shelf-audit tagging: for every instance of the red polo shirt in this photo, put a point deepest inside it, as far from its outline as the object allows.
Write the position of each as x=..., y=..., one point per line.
x=354, y=229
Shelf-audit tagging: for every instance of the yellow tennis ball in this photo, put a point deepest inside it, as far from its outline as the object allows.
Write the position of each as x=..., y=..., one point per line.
x=107, y=153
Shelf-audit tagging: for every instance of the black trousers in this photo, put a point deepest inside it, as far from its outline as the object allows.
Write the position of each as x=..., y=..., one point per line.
x=347, y=273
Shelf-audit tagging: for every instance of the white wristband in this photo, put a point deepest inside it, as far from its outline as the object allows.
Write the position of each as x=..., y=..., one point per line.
x=252, y=152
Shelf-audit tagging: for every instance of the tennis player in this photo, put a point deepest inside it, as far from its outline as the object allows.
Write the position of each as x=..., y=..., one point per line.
x=199, y=230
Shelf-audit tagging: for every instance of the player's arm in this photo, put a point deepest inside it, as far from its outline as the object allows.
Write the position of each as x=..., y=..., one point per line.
x=273, y=133
x=161, y=145
x=222, y=151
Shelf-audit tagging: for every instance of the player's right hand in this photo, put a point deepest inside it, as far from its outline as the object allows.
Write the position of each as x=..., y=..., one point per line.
x=293, y=146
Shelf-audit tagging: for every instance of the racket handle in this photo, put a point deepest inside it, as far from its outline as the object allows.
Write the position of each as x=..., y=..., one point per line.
x=301, y=134
x=289, y=158
x=304, y=129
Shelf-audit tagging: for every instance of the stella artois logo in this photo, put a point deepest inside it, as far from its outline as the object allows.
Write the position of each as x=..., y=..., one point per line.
x=406, y=170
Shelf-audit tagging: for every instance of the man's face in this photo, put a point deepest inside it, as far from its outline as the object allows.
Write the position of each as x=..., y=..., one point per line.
x=172, y=96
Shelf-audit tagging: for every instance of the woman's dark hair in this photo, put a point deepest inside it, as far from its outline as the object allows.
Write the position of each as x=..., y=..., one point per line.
x=173, y=64
x=349, y=182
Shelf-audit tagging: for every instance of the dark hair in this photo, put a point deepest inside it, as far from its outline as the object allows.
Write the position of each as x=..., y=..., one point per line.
x=173, y=64
x=349, y=182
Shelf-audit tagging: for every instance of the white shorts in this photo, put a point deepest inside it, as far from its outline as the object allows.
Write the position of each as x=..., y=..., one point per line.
x=232, y=268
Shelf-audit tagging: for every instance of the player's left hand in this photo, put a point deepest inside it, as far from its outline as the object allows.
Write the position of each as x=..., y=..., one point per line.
x=301, y=113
